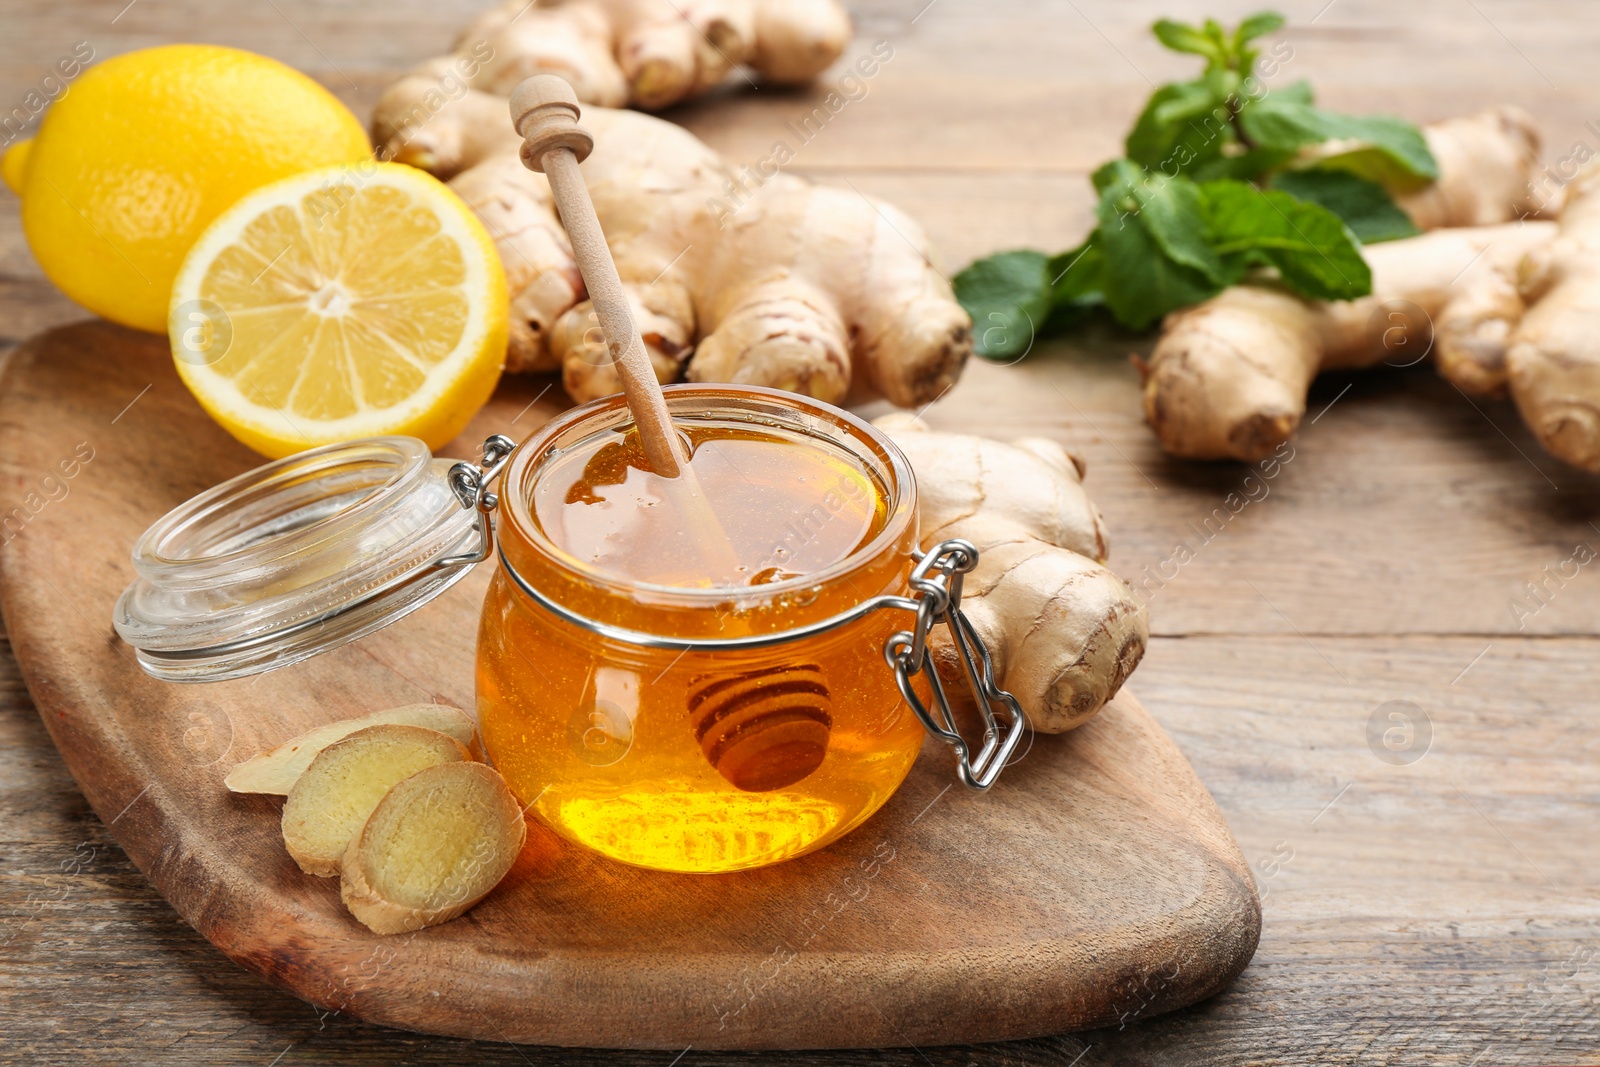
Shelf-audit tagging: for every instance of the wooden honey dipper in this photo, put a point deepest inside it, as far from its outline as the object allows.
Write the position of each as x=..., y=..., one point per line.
x=544, y=111
x=761, y=730
x=764, y=729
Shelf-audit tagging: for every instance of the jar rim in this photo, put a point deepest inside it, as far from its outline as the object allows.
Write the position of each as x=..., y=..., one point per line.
x=690, y=400
x=405, y=458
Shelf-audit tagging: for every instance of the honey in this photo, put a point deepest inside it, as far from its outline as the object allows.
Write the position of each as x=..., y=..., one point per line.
x=695, y=759
x=784, y=506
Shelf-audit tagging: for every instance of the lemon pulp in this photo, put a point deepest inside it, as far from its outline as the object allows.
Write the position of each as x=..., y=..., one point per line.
x=342, y=303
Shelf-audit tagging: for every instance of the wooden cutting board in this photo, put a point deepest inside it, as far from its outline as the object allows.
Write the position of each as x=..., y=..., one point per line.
x=1095, y=885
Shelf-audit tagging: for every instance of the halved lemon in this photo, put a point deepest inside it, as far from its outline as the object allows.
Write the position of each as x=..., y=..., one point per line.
x=343, y=302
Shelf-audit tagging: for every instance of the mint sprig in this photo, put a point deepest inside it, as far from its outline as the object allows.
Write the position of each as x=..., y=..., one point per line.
x=1222, y=180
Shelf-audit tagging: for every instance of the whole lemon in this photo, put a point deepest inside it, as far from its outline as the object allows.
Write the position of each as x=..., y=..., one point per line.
x=145, y=150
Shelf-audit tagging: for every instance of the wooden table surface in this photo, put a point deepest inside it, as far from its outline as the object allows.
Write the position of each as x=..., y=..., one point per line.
x=1438, y=906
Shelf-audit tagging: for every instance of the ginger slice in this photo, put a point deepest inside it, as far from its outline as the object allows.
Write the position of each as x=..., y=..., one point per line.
x=434, y=847
x=275, y=771
x=331, y=802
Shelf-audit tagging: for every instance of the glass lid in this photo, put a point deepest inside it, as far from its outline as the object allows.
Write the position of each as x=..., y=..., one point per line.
x=294, y=558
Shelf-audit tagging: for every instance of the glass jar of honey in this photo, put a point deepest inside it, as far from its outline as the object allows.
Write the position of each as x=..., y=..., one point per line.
x=596, y=701
x=685, y=674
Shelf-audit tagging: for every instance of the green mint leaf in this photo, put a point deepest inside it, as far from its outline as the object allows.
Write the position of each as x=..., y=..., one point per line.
x=1117, y=175
x=1387, y=149
x=1252, y=165
x=1179, y=128
x=1284, y=119
x=1376, y=147
x=1257, y=25
x=1174, y=216
x=1381, y=149
x=1171, y=211
x=1008, y=296
x=1140, y=283
x=1221, y=49
x=1219, y=40
x=1078, y=276
x=1181, y=37
x=1299, y=92
x=1066, y=317
x=1366, y=207
x=1224, y=85
x=1315, y=254
x=1079, y=286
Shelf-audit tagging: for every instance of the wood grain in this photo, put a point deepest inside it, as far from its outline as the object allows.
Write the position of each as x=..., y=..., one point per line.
x=1406, y=929
x=1100, y=869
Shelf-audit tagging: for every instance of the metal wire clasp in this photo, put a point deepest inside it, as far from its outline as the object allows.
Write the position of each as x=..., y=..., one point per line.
x=936, y=590
x=470, y=482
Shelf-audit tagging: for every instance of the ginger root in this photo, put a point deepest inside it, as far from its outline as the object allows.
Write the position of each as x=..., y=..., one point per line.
x=1486, y=165
x=277, y=770
x=435, y=845
x=1553, y=358
x=1063, y=630
x=754, y=276
x=1228, y=379
x=648, y=53
x=333, y=798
